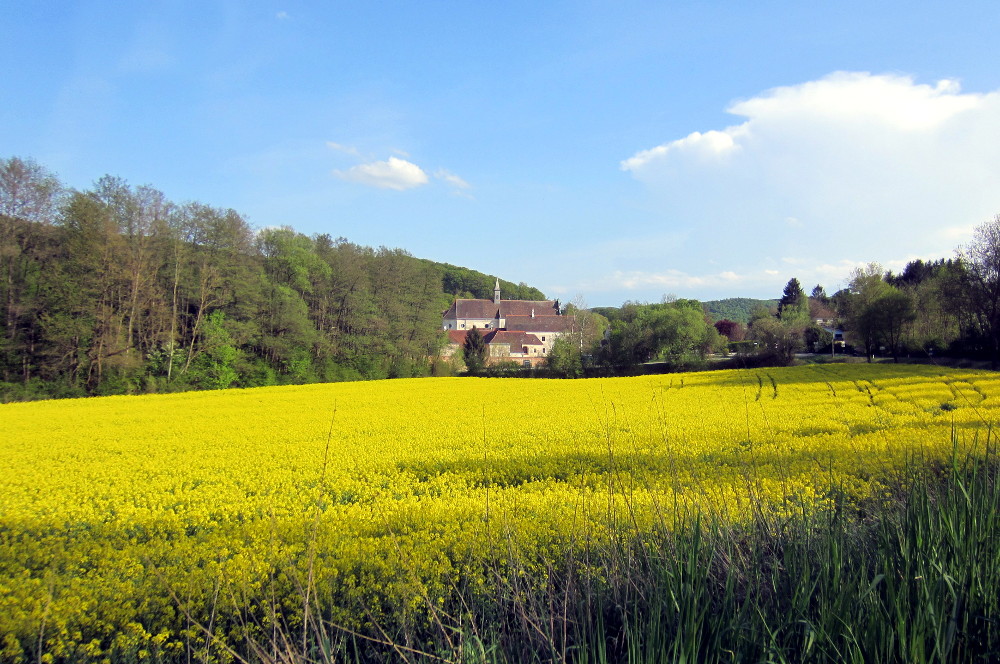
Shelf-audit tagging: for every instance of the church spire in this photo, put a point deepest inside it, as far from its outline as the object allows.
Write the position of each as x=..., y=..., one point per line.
x=496, y=292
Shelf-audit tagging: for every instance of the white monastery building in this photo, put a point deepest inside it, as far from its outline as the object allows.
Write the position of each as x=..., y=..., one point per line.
x=515, y=330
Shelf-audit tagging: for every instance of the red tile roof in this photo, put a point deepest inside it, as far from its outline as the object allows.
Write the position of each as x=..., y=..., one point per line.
x=515, y=339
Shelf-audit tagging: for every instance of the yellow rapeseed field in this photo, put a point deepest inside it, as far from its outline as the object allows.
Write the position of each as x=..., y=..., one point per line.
x=128, y=523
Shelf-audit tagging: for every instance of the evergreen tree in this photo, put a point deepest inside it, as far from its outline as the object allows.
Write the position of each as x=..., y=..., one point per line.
x=793, y=307
x=474, y=351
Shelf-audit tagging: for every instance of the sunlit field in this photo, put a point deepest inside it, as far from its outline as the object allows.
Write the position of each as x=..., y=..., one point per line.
x=198, y=526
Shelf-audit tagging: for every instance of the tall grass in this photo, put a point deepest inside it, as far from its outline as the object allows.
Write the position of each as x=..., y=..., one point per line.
x=912, y=575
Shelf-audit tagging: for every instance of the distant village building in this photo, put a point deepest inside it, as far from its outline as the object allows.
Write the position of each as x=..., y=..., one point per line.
x=826, y=318
x=521, y=331
x=821, y=314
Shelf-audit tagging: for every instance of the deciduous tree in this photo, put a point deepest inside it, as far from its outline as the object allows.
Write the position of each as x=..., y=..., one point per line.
x=981, y=258
x=859, y=311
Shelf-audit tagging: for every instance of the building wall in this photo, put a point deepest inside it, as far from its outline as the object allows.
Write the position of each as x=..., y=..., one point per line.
x=502, y=353
x=548, y=339
x=468, y=323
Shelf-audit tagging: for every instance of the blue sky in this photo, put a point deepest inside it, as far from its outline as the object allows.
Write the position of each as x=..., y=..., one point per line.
x=609, y=150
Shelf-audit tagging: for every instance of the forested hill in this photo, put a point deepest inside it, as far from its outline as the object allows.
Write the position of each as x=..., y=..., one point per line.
x=738, y=309
x=119, y=290
x=463, y=282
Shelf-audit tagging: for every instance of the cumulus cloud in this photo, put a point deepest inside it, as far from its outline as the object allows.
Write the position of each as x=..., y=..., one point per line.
x=850, y=168
x=848, y=104
x=394, y=173
x=892, y=101
x=710, y=145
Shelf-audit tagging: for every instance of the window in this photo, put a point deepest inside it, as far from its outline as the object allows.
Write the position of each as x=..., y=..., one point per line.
x=543, y=338
x=463, y=326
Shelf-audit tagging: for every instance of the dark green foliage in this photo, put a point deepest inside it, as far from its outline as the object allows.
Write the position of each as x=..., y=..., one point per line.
x=777, y=341
x=793, y=307
x=918, y=271
x=504, y=369
x=463, y=282
x=819, y=294
x=474, y=351
x=817, y=339
x=118, y=290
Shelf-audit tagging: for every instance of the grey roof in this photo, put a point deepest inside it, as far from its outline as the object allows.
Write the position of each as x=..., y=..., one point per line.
x=486, y=309
x=540, y=323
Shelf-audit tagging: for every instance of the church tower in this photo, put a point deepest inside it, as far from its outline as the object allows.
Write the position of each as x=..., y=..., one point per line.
x=496, y=292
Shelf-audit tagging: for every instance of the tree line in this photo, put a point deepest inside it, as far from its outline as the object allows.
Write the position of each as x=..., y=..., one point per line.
x=674, y=334
x=117, y=289
x=945, y=307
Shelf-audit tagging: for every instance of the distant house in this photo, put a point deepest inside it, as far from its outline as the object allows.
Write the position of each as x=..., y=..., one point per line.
x=826, y=318
x=821, y=314
x=521, y=331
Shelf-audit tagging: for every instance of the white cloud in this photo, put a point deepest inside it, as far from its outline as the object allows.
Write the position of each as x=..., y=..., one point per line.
x=851, y=168
x=281, y=16
x=645, y=285
x=347, y=149
x=893, y=101
x=852, y=103
x=451, y=179
x=459, y=187
x=394, y=173
x=710, y=145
